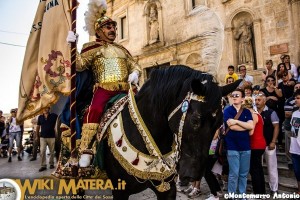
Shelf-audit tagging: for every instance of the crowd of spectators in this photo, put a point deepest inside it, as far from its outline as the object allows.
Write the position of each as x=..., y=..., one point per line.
x=259, y=121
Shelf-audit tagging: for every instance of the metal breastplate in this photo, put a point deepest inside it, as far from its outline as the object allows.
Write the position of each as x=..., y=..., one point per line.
x=110, y=70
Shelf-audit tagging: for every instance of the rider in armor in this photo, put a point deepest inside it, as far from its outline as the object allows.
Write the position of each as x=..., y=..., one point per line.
x=112, y=67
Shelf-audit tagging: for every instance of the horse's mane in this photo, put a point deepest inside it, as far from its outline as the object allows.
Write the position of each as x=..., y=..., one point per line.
x=167, y=84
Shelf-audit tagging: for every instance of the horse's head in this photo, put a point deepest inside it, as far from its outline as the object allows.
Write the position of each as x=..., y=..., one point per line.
x=196, y=120
x=187, y=103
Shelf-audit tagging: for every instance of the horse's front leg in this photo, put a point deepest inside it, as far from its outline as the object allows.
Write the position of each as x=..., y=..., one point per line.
x=168, y=195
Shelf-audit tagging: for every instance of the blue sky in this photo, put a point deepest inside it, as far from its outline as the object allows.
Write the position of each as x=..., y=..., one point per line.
x=15, y=24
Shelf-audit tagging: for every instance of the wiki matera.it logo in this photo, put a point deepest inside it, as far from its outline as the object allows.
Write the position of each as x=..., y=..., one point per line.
x=9, y=190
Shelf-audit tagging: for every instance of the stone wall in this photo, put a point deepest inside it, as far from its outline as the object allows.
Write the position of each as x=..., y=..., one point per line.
x=186, y=33
x=274, y=20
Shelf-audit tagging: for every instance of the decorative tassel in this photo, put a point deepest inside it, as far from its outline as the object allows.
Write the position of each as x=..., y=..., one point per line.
x=136, y=161
x=119, y=142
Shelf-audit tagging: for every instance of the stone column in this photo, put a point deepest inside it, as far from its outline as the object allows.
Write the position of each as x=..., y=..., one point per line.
x=295, y=34
x=258, y=43
x=228, y=46
x=228, y=55
x=160, y=21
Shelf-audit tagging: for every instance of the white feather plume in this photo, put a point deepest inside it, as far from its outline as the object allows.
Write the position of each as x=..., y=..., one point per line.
x=96, y=9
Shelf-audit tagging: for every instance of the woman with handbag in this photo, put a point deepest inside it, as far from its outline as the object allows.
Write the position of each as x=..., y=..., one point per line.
x=239, y=123
x=258, y=146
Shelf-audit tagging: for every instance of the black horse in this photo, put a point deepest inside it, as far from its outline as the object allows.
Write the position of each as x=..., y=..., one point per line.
x=165, y=91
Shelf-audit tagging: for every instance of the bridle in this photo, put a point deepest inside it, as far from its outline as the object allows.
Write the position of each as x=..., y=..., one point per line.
x=184, y=105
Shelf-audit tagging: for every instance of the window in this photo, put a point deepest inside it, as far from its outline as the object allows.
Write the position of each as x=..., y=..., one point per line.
x=123, y=31
x=194, y=6
x=196, y=3
x=122, y=20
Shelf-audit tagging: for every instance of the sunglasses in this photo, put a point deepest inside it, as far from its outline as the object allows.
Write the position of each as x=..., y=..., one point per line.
x=242, y=70
x=109, y=26
x=235, y=95
x=269, y=80
x=284, y=75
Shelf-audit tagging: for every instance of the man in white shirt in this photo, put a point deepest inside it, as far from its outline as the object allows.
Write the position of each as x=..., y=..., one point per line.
x=247, y=79
x=271, y=131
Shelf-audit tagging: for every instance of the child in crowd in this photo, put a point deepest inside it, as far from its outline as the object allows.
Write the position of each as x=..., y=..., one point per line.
x=229, y=80
x=231, y=73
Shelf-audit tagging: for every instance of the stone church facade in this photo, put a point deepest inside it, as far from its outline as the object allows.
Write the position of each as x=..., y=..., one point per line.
x=208, y=35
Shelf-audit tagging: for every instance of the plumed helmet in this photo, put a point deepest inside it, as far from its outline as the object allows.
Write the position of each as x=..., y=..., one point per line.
x=95, y=16
x=104, y=20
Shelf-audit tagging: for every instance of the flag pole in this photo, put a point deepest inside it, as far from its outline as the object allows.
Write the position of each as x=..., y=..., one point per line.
x=74, y=166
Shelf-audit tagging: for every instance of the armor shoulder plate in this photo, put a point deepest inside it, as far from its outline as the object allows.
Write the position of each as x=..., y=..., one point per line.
x=123, y=48
x=89, y=46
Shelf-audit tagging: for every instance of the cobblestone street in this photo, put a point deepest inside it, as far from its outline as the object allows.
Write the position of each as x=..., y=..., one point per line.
x=26, y=169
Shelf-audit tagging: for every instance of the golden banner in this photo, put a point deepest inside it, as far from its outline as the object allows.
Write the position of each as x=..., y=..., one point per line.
x=46, y=66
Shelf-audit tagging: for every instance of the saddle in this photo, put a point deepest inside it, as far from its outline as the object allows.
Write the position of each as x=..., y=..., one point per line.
x=97, y=169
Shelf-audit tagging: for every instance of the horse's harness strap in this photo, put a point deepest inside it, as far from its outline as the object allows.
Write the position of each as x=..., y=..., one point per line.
x=189, y=97
x=184, y=108
x=109, y=116
x=174, y=111
x=144, y=131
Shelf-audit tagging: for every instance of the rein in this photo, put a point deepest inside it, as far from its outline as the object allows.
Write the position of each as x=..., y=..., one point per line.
x=184, y=108
x=140, y=124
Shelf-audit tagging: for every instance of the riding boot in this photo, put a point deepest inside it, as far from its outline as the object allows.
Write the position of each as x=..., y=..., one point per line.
x=89, y=130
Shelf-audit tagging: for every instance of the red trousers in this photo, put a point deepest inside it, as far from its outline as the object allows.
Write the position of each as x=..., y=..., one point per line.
x=95, y=110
